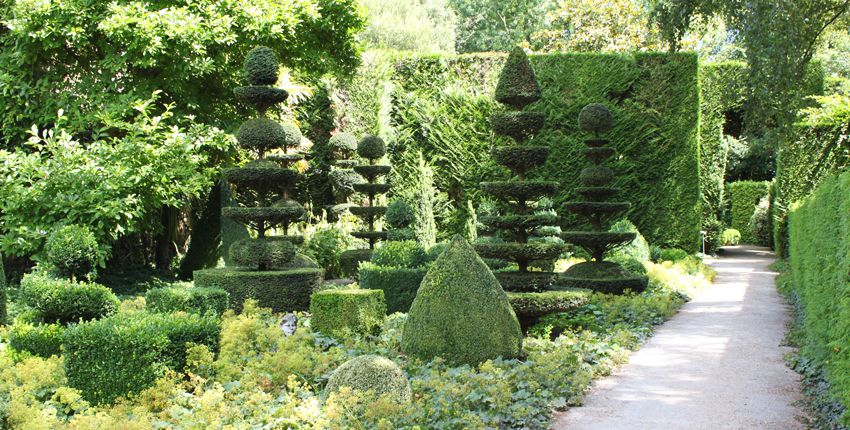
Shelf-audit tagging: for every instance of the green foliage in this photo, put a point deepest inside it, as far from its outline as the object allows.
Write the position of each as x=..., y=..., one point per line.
x=410, y=25
x=731, y=237
x=527, y=305
x=597, y=25
x=405, y=254
x=672, y=254
x=72, y=252
x=205, y=245
x=340, y=313
x=280, y=290
x=604, y=276
x=65, y=301
x=3, y=292
x=517, y=86
x=125, y=354
x=399, y=214
x=498, y=25
x=595, y=118
x=372, y=373
x=43, y=340
x=122, y=51
x=820, y=255
x=187, y=299
x=637, y=249
x=261, y=66
x=371, y=147
x=745, y=196
x=326, y=246
x=267, y=253
x=115, y=184
x=460, y=312
x=399, y=284
x=424, y=194
x=264, y=134
x=350, y=260
x=759, y=223
x=342, y=145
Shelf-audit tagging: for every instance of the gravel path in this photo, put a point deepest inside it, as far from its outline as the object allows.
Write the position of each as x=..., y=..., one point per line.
x=718, y=364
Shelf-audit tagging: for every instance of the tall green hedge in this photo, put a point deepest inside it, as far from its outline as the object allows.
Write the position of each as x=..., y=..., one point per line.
x=744, y=196
x=723, y=95
x=819, y=228
x=440, y=105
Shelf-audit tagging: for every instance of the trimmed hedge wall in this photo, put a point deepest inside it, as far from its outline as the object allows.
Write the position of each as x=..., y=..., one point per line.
x=282, y=291
x=399, y=284
x=187, y=299
x=340, y=312
x=43, y=340
x=440, y=105
x=744, y=196
x=125, y=354
x=819, y=228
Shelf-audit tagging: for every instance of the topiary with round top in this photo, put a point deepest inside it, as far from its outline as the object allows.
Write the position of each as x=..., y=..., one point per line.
x=521, y=219
x=598, y=274
x=373, y=149
x=372, y=373
x=271, y=269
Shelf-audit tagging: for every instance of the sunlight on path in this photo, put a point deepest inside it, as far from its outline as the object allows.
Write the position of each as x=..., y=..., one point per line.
x=718, y=364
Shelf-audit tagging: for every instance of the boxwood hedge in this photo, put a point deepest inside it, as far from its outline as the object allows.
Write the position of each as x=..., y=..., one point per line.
x=744, y=196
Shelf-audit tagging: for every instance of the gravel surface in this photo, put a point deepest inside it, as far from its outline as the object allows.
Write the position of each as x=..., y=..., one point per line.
x=718, y=364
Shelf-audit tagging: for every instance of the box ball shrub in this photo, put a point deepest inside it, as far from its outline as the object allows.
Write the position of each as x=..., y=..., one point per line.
x=340, y=312
x=261, y=66
x=72, y=251
x=282, y=291
x=372, y=373
x=264, y=253
x=43, y=340
x=371, y=147
x=399, y=284
x=672, y=254
x=124, y=354
x=731, y=237
x=65, y=301
x=460, y=312
x=342, y=144
x=595, y=118
x=189, y=299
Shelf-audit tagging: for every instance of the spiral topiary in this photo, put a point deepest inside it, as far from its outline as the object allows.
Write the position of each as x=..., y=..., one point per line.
x=524, y=219
x=269, y=267
x=374, y=374
x=598, y=274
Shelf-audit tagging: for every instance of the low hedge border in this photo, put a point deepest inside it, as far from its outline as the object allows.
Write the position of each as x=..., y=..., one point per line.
x=280, y=290
x=398, y=284
x=197, y=300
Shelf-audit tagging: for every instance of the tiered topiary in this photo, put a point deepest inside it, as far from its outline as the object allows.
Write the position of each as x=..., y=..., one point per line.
x=517, y=88
x=270, y=268
x=598, y=274
x=343, y=177
x=371, y=148
x=460, y=312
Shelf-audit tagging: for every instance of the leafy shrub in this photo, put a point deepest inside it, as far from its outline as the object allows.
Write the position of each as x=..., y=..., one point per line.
x=341, y=312
x=672, y=254
x=326, y=245
x=405, y=254
x=65, y=301
x=280, y=290
x=632, y=265
x=399, y=284
x=399, y=214
x=125, y=354
x=187, y=299
x=637, y=249
x=43, y=340
x=3, y=293
x=759, y=223
x=460, y=312
x=72, y=252
x=372, y=373
x=731, y=237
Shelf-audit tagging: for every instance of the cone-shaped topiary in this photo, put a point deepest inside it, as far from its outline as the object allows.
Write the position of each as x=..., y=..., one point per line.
x=599, y=275
x=262, y=191
x=521, y=218
x=460, y=312
x=371, y=373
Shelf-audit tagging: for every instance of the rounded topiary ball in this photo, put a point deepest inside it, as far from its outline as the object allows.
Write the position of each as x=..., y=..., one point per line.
x=371, y=372
x=292, y=134
x=595, y=118
x=343, y=144
x=265, y=253
x=72, y=251
x=399, y=214
x=371, y=147
x=263, y=134
x=261, y=66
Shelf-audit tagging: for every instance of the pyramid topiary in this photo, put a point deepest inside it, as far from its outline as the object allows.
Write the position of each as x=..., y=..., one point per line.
x=371, y=373
x=597, y=274
x=460, y=312
x=262, y=195
x=521, y=218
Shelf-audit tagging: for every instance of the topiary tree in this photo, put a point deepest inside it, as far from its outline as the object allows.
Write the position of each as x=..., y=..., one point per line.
x=460, y=312
x=373, y=149
x=521, y=220
x=342, y=147
x=371, y=373
x=72, y=252
x=262, y=194
x=598, y=274
x=400, y=218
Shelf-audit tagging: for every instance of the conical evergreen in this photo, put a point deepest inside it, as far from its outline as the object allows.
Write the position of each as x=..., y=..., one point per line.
x=601, y=213
x=460, y=312
x=521, y=218
x=262, y=193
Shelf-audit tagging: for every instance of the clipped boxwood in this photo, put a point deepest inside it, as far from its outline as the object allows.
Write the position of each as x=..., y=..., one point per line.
x=372, y=373
x=280, y=290
x=66, y=301
x=340, y=312
x=408, y=254
x=187, y=299
x=349, y=261
x=125, y=354
x=399, y=284
x=43, y=340
x=72, y=251
x=460, y=312
x=547, y=302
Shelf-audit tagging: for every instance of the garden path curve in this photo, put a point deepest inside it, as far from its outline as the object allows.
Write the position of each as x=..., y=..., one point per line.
x=718, y=364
